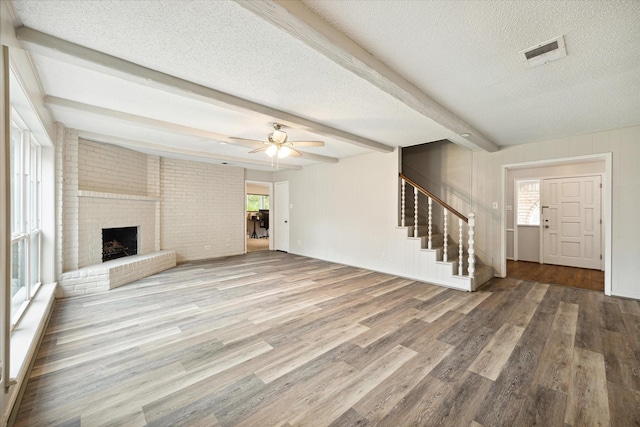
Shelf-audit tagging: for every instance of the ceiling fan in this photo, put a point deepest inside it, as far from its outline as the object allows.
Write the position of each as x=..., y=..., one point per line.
x=278, y=144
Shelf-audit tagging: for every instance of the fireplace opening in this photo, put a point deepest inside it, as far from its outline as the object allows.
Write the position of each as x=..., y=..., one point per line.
x=119, y=242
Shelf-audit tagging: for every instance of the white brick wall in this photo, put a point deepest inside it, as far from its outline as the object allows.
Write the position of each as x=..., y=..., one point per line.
x=176, y=205
x=201, y=205
x=105, y=186
x=153, y=190
x=111, y=169
x=70, y=201
x=59, y=165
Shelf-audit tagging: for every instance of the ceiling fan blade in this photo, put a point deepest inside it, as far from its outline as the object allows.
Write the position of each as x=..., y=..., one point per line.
x=307, y=143
x=251, y=143
x=294, y=153
x=258, y=150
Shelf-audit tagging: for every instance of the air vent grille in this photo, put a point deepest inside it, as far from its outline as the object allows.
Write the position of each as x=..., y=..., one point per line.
x=541, y=50
x=542, y=53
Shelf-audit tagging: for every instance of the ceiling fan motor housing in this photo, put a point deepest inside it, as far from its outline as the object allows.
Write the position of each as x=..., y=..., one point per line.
x=278, y=136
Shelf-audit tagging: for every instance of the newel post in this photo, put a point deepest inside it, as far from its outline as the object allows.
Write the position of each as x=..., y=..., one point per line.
x=415, y=212
x=460, y=251
x=430, y=211
x=446, y=231
x=472, y=258
x=402, y=201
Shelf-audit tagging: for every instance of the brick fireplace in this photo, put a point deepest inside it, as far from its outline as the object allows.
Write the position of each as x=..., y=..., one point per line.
x=107, y=190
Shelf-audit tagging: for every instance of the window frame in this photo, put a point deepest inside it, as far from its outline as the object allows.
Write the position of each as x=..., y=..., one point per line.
x=262, y=201
x=28, y=229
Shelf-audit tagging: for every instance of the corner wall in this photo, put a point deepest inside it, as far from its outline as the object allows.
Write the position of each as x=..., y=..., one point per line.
x=177, y=205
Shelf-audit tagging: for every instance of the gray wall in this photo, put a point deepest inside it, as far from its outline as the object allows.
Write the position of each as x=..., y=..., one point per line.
x=444, y=169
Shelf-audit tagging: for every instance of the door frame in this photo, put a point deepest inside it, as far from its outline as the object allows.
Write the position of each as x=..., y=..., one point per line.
x=270, y=185
x=606, y=206
x=278, y=215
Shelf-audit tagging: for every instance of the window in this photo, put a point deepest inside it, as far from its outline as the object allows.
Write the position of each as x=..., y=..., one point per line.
x=255, y=202
x=25, y=217
x=528, y=202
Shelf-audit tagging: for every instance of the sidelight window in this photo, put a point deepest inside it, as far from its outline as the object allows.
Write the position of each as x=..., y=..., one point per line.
x=528, y=202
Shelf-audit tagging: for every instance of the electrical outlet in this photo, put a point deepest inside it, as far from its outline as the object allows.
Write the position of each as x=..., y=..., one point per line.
x=299, y=242
x=384, y=255
x=207, y=246
x=509, y=208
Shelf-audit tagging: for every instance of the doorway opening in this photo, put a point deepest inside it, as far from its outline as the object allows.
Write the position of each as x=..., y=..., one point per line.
x=564, y=237
x=258, y=218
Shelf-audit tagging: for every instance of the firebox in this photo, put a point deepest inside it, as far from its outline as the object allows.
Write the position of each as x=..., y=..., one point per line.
x=119, y=242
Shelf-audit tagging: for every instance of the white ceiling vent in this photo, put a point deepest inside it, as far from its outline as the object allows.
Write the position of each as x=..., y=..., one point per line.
x=542, y=53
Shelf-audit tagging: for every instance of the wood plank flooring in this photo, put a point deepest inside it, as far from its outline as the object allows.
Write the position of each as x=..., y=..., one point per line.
x=582, y=278
x=270, y=338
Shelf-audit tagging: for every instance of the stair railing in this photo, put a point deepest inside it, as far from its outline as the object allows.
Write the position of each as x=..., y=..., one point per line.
x=470, y=221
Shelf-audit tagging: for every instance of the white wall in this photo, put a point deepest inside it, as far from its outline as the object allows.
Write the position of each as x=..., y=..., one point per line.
x=624, y=144
x=346, y=212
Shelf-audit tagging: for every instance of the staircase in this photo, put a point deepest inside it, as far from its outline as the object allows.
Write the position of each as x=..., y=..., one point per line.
x=435, y=257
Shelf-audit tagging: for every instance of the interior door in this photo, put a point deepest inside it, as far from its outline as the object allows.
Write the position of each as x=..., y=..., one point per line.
x=571, y=214
x=281, y=216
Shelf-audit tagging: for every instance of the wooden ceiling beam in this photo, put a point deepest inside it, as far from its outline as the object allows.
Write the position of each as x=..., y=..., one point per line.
x=300, y=22
x=177, y=152
x=48, y=45
x=164, y=126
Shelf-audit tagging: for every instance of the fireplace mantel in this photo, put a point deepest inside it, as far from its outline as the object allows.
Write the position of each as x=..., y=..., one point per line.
x=118, y=196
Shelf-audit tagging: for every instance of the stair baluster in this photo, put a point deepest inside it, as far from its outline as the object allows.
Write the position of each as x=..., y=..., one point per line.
x=446, y=233
x=460, y=260
x=472, y=258
x=464, y=276
x=402, y=206
x=415, y=212
x=430, y=202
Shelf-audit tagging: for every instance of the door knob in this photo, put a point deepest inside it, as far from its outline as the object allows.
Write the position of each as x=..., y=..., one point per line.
x=286, y=222
x=546, y=226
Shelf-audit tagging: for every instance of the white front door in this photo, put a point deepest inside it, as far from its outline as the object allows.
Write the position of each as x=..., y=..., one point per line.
x=571, y=221
x=281, y=216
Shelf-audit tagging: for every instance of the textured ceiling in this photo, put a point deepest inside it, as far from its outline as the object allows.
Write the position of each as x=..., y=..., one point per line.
x=465, y=55
x=462, y=54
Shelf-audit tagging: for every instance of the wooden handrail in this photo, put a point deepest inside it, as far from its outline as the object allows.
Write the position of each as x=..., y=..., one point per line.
x=437, y=199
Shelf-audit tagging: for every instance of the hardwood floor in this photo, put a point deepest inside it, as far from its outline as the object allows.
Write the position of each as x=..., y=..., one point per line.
x=582, y=278
x=270, y=338
x=254, y=245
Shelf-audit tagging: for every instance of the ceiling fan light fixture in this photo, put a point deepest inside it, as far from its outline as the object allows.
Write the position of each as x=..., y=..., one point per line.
x=283, y=152
x=271, y=151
